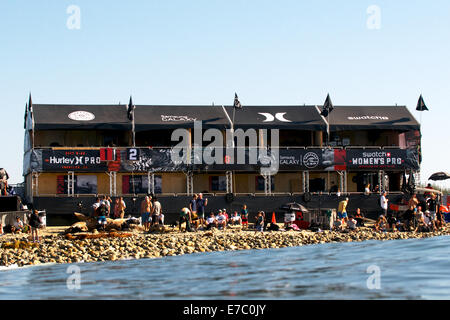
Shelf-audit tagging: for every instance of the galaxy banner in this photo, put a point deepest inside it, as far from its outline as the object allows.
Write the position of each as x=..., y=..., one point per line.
x=161, y=160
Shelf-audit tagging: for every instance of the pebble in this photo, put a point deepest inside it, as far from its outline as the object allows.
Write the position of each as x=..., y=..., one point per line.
x=58, y=249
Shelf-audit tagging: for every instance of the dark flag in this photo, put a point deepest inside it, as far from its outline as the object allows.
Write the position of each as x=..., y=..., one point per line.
x=25, y=116
x=237, y=103
x=327, y=106
x=421, y=105
x=130, y=109
x=30, y=103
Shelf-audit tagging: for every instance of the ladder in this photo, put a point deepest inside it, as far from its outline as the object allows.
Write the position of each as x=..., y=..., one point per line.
x=112, y=183
x=35, y=183
x=229, y=177
x=70, y=183
x=190, y=183
x=267, y=184
x=151, y=182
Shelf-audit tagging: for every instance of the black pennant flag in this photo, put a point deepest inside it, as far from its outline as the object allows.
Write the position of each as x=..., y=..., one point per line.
x=327, y=106
x=25, y=116
x=237, y=103
x=130, y=109
x=421, y=105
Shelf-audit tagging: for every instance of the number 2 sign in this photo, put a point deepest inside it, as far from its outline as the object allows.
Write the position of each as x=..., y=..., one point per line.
x=133, y=154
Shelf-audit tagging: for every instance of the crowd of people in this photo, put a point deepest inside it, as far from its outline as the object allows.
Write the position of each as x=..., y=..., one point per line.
x=31, y=226
x=193, y=217
x=418, y=217
x=424, y=216
x=104, y=207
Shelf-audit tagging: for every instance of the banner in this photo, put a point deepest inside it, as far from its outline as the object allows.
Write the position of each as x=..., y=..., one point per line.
x=72, y=160
x=160, y=160
x=377, y=159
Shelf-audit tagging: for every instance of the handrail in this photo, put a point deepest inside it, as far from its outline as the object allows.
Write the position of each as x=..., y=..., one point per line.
x=236, y=147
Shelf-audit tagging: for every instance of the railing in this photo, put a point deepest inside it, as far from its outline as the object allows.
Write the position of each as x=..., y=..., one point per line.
x=221, y=194
x=236, y=147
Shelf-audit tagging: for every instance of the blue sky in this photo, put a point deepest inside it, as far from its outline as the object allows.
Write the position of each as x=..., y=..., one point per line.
x=199, y=52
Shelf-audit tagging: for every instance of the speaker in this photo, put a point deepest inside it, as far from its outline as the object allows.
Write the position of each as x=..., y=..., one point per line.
x=9, y=203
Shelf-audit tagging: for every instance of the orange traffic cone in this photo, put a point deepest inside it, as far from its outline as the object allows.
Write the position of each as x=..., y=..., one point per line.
x=273, y=218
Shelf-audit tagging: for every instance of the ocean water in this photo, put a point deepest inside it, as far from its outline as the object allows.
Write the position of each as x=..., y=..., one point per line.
x=402, y=269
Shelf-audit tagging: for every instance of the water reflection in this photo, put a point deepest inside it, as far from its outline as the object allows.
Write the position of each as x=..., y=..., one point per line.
x=410, y=269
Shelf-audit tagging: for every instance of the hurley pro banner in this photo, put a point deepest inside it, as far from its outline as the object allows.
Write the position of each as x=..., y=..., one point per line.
x=72, y=160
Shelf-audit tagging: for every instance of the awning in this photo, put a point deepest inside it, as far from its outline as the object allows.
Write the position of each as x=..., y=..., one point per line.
x=80, y=117
x=369, y=117
x=278, y=117
x=170, y=117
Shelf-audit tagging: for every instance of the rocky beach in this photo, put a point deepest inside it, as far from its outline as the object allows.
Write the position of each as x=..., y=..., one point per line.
x=57, y=247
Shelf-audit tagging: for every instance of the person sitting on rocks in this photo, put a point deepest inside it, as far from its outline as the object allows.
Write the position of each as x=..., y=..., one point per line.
x=392, y=221
x=221, y=220
x=381, y=224
x=352, y=223
x=342, y=210
x=359, y=218
x=236, y=219
x=17, y=226
x=226, y=215
x=429, y=222
x=339, y=224
x=211, y=221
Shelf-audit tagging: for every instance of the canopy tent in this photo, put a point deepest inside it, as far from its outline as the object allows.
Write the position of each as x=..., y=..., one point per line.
x=75, y=117
x=154, y=117
x=372, y=117
x=278, y=117
x=148, y=117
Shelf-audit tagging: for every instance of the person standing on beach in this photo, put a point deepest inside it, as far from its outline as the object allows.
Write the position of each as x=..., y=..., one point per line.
x=259, y=226
x=413, y=202
x=244, y=215
x=146, y=208
x=384, y=203
x=107, y=205
x=95, y=207
x=157, y=217
x=193, y=207
x=3, y=182
x=119, y=208
x=201, y=206
x=367, y=190
x=34, y=222
x=185, y=216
